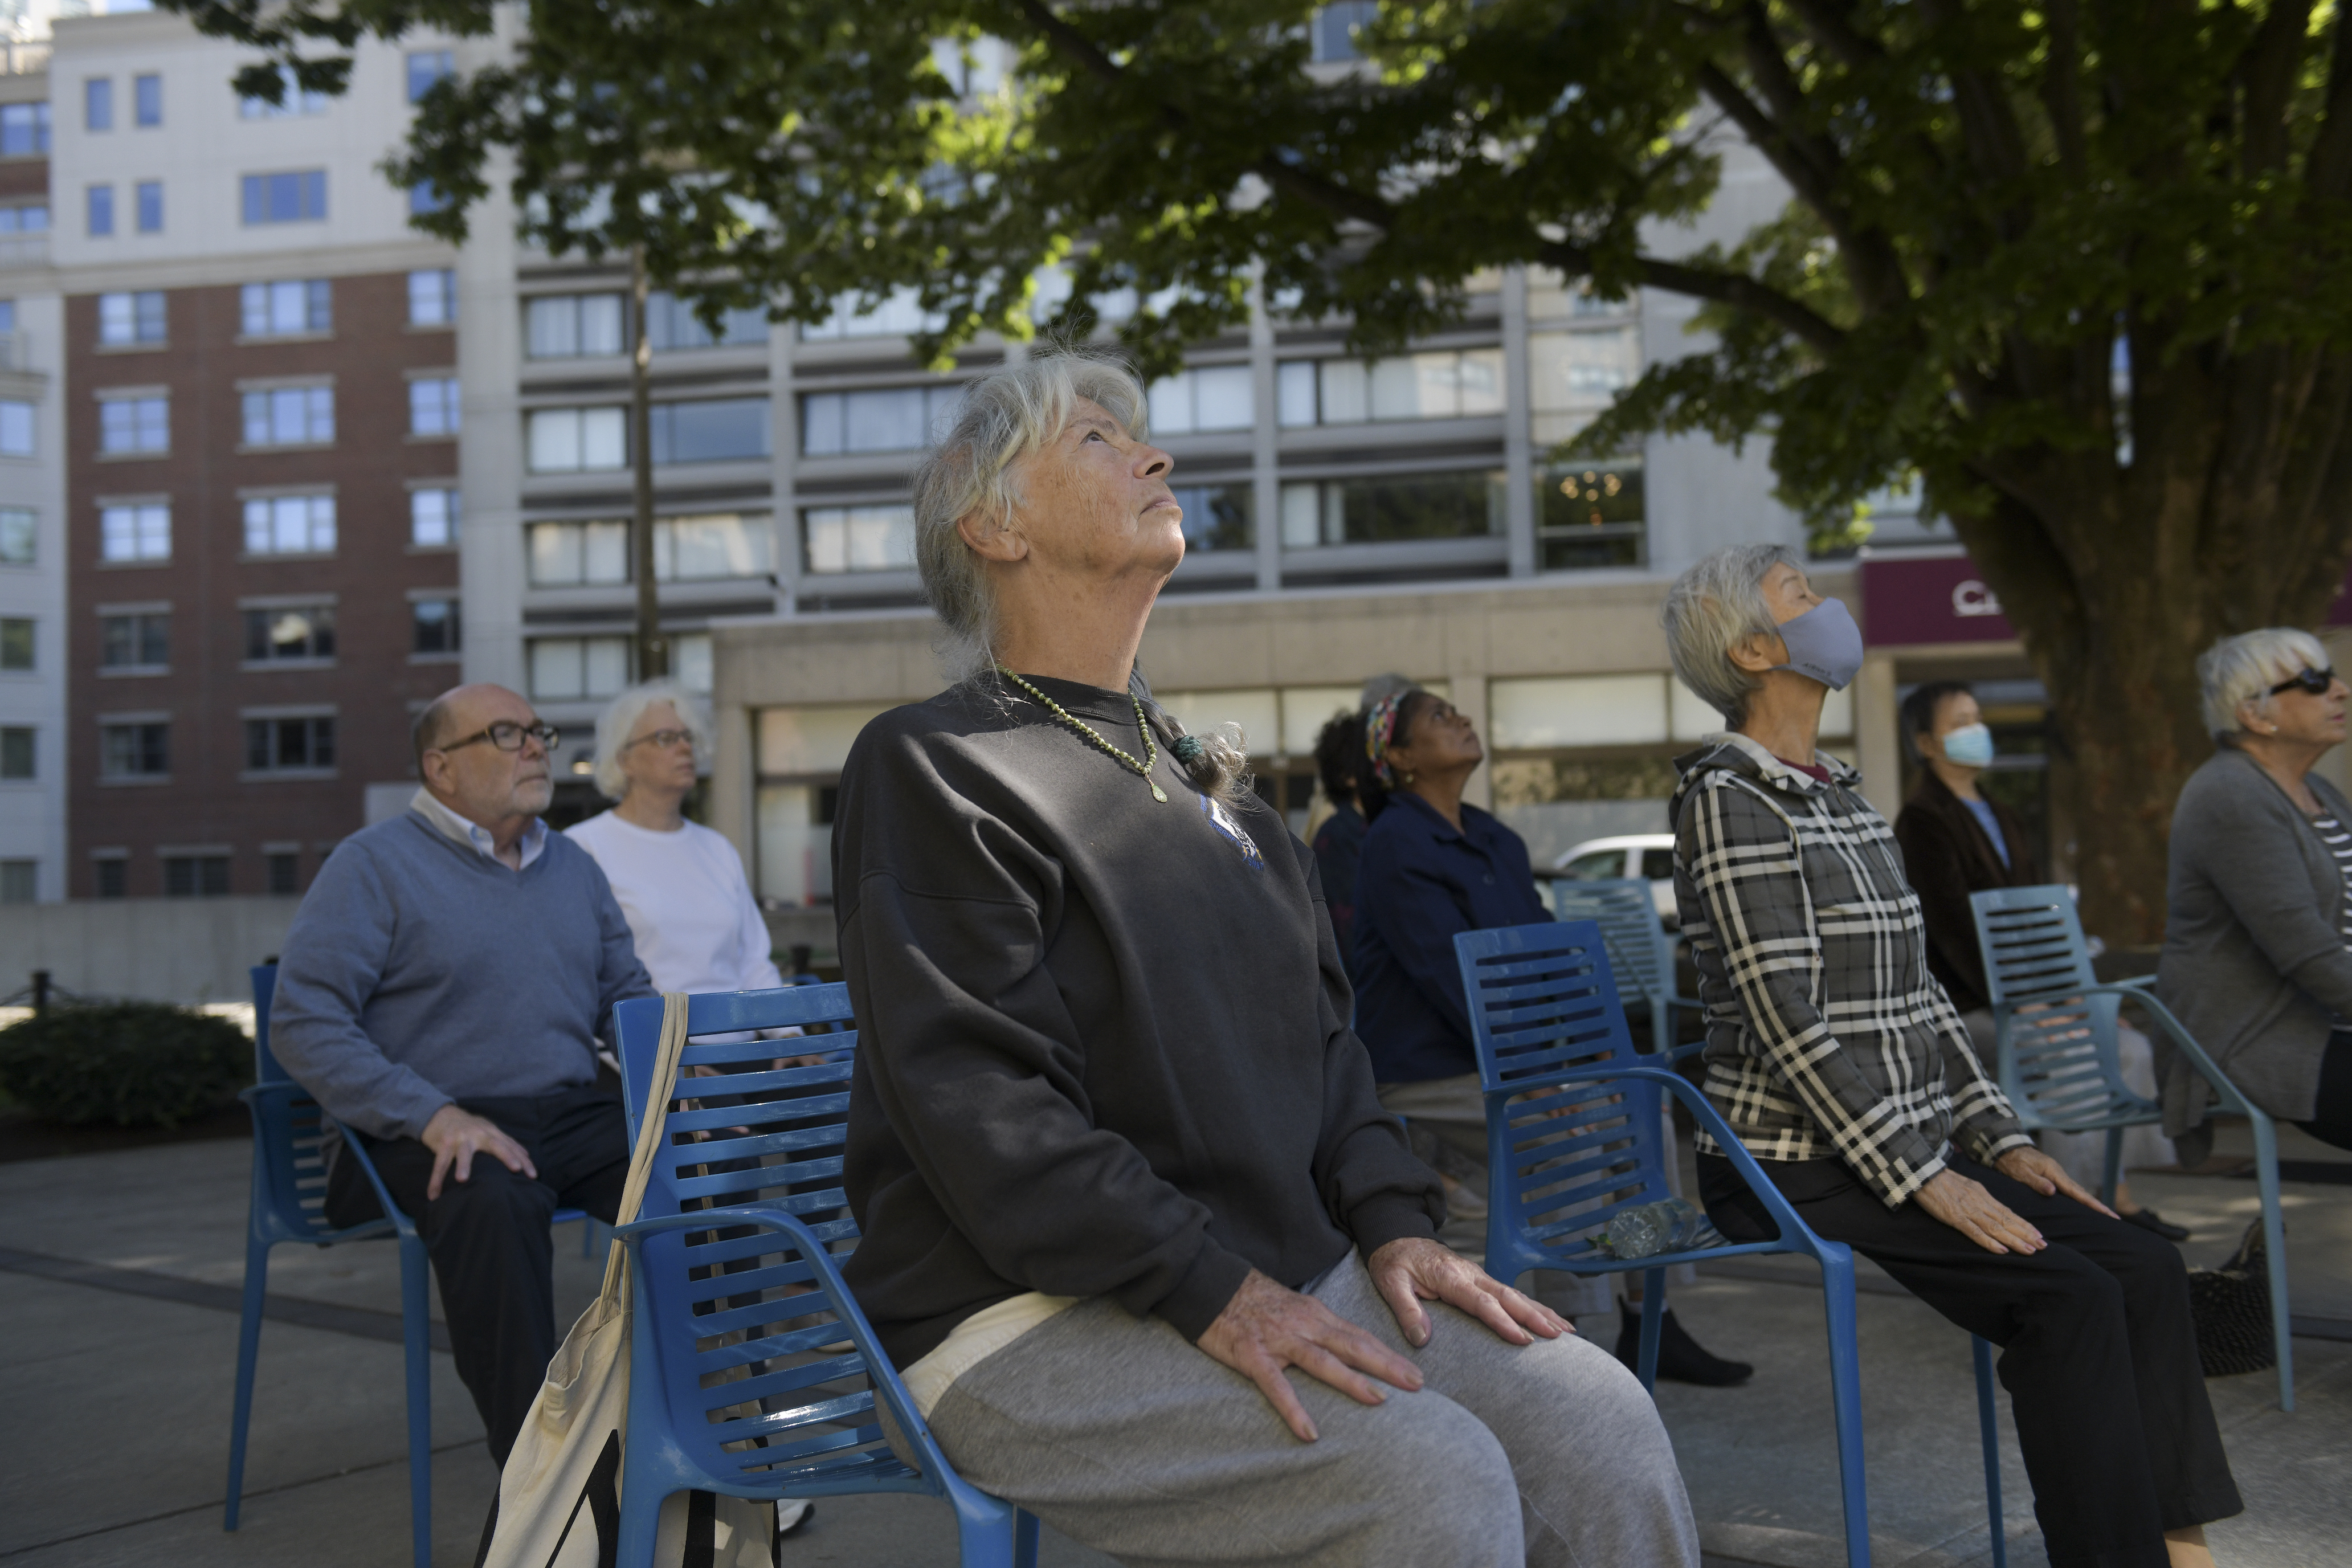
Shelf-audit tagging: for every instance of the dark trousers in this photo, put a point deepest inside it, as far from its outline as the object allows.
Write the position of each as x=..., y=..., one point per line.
x=2331, y=1116
x=488, y=1236
x=2098, y=1351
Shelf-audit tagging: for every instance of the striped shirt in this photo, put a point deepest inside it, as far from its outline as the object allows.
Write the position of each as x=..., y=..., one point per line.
x=2338, y=840
x=1827, y=1037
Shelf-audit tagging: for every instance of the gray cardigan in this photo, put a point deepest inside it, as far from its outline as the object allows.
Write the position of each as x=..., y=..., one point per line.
x=2254, y=960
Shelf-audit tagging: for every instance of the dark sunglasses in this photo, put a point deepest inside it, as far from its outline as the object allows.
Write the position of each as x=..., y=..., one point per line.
x=2316, y=682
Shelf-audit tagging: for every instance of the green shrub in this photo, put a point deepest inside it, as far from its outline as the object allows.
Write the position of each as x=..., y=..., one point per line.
x=136, y=1064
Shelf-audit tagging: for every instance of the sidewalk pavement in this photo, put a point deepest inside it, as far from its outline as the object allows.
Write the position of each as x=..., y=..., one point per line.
x=119, y=1275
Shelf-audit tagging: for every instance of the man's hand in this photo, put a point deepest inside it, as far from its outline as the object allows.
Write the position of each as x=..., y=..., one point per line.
x=1966, y=1207
x=2047, y=1176
x=455, y=1136
x=1412, y=1270
x=1265, y=1328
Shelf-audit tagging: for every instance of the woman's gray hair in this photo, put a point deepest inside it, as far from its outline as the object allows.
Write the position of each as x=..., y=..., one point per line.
x=1010, y=414
x=620, y=716
x=1713, y=608
x=2244, y=667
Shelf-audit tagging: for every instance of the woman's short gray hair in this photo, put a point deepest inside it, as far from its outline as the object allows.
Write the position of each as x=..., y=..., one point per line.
x=1003, y=417
x=2244, y=667
x=1713, y=608
x=620, y=716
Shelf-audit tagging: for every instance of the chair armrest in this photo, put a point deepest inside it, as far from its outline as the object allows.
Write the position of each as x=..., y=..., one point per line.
x=352, y=1150
x=2136, y=983
x=2137, y=994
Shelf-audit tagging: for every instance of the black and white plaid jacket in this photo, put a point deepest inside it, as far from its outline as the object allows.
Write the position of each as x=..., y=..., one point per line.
x=1826, y=1035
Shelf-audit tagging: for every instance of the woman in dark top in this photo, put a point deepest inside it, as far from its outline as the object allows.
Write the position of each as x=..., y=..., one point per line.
x=1115, y=1153
x=1340, y=841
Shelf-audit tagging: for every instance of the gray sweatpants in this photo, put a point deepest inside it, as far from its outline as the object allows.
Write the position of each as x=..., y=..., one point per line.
x=1125, y=1436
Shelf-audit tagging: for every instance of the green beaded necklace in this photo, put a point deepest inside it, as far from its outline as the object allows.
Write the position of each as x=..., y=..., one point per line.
x=1086, y=732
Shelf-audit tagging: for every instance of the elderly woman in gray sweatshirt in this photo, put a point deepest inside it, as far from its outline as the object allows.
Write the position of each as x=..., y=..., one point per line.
x=2258, y=942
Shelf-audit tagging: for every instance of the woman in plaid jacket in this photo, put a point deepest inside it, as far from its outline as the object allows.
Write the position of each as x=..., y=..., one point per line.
x=1839, y=1061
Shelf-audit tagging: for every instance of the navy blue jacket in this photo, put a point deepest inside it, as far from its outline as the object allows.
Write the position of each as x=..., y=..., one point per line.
x=1420, y=882
x=1338, y=846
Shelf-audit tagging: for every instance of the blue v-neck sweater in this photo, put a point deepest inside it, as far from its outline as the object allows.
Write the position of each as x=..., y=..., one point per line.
x=419, y=972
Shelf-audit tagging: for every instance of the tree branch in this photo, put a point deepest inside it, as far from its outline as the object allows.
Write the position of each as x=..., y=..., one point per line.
x=1835, y=34
x=2328, y=171
x=2061, y=89
x=2266, y=73
x=1988, y=124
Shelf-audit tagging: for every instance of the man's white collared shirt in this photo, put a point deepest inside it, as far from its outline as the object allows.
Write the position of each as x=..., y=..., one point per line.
x=534, y=842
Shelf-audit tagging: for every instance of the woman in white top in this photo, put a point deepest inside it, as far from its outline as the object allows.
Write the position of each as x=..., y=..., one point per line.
x=681, y=885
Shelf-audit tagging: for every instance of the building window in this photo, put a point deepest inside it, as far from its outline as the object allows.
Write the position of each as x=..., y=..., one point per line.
x=126, y=318
x=570, y=668
x=16, y=642
x=1572, y=376
x=303, y=633
x=426, y=67
x=135, y=532
x=98, y=104
x=433, y=406
x=575, y=440
x=30, y=217
x=433, y=518
x=24, y=130
x=20, y=881
x=296, y=307
x=1588, y=517
x=15, y=428
x=306, y=745
x=282, y=869
x=707, y=548
x=857, y=539
x=1448, y=384
x=150, y=205
x=1217, y=517
x=137, y=642
x=135, y=750
x=715, y=430
x=130, y=425
x=110, y=878
x=289, y=525
x=436, y=625
x=1335, y=29
x=298, y=196
x=433, y=298
x=100, y=207
x=690, y=663
x=671, y=324
x=899, y=419
x=900, y=315
x=424, y=197
x=572, y=326
x=20, y=532
x=289, y=416
x=147, y=100
x=292, y=101
x=1390, y=507
x=195, y=876
x=1215, y=397
x=19, y=753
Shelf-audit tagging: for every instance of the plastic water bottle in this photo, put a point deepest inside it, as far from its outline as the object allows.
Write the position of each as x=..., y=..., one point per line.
x=1671, y=1225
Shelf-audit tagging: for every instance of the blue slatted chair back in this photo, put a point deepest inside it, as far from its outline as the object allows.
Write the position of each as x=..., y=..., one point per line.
x=288, y=1137
x=758, y=1362
x=2059, y=1059
x=1628, y=918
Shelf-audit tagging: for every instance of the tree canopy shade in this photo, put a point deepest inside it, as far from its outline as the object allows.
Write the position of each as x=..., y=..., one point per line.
x=2081, y=267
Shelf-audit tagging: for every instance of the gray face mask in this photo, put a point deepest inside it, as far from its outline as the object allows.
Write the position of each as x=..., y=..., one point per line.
x=1824, y=643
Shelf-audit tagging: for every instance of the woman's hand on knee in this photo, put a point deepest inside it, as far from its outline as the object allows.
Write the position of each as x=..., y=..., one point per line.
x=1265, y=1328
x=1413, y=1269
x=2048, y=1177
x=1966, y=1207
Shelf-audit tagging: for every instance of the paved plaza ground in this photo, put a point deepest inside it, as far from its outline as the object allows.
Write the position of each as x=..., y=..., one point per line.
x=118, y=1294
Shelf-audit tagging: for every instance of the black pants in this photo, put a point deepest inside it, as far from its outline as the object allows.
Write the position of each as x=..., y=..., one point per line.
x=2098, y=1352
x=2331, y=1117
x=488, y=1236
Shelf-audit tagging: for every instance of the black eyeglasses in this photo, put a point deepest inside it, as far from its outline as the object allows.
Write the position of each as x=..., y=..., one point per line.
x=509, y=736
x=2316, y=682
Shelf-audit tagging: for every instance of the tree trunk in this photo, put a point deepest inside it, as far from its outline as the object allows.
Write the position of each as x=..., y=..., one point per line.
x=653, y=649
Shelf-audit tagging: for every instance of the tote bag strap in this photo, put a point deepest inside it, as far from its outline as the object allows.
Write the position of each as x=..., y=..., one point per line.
x=649, y=1134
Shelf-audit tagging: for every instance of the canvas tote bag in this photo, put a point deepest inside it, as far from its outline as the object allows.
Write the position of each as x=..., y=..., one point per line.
x=559, y=1501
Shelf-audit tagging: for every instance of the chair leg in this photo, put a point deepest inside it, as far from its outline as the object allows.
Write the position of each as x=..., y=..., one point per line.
x=248, y=1351
x=640, y=1526
x=990, y=1533
x=1988, y=1418
x=2114, y=1167
x=1845, y=1392
x=2275, y=1245
x=416, y=1336
x=1654, y=1316
x=1024, y=1539
x=587, y=1235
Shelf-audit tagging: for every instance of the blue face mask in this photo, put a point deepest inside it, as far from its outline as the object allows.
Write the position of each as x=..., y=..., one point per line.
x=1971, y=746
x=1823, y=643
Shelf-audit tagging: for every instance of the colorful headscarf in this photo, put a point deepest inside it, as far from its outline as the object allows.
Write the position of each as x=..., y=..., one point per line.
x=1380, y=733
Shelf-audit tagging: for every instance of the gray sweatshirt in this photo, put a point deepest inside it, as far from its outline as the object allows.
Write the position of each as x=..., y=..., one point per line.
x=419, y=972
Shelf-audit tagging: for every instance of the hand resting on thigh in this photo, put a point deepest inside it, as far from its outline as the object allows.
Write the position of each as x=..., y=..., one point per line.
x=1975, y=1213
x=455, y=1136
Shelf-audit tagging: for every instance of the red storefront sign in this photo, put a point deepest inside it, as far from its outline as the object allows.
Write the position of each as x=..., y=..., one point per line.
x=1907, y=600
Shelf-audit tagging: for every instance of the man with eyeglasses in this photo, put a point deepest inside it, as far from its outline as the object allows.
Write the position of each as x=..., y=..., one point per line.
x=441, y=993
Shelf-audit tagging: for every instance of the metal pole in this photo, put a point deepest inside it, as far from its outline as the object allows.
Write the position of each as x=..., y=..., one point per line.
x=40, y=991
x=653, y=649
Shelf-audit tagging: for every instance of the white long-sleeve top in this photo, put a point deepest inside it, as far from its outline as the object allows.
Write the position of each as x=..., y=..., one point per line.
x=687, y=903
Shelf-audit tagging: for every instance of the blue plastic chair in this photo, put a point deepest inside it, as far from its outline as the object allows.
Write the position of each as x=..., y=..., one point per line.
x=1572, y=1137
x=289, y=1193
x=2059, y=1063
x=785, y=1329
x=1641, y=949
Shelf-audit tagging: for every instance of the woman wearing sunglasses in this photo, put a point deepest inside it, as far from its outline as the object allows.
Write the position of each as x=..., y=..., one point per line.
x=2258, y=942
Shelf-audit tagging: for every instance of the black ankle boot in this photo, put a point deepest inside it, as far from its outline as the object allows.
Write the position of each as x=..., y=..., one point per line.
x=1681, y=1359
